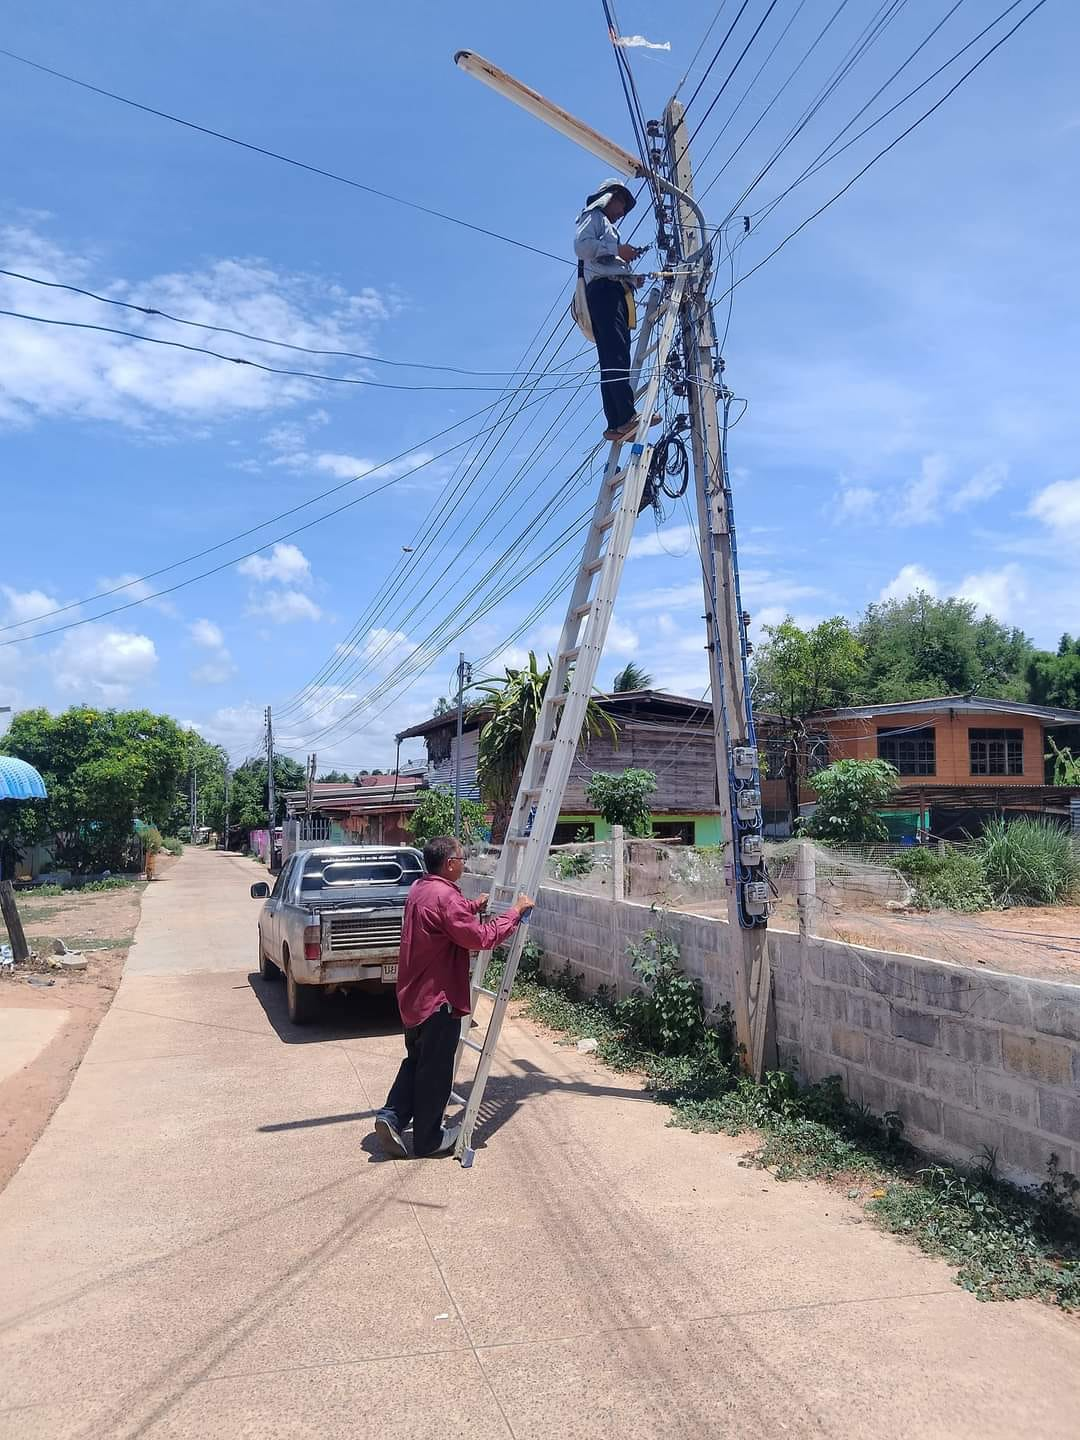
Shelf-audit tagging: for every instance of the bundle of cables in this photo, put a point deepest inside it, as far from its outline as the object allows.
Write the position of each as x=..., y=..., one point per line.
x=669, y=471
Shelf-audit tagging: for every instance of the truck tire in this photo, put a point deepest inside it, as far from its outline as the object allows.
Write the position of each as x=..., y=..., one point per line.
x=267, y=969
x=301, y=1000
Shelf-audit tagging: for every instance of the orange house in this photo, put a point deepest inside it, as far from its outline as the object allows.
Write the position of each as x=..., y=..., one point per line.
x=960, y=758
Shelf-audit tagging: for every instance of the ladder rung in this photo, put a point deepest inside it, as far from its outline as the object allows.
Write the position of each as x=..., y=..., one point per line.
x=608, y=520
x=570, y=654
x=582, y=610
x=617, y=478
x=507, y=889
x=458, y=1099
x=537, y=791
x=491, y=994
x=557, y=699
x=517, y=839
x=594, y=565
x=472, y=1045
x=545, y=745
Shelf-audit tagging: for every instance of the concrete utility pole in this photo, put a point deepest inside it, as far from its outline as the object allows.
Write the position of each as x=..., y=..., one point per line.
x=738, y=785
x=225, y=797
x=271, y=795
x=464, y=674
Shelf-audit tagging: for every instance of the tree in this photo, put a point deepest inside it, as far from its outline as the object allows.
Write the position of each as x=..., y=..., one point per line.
x=850, y=793
x=799, y=671
x=631, y=677
x=249, y=799
x=434, y=815
x=1054, y=679
x=443, y=705
x=623, y=799
x=103, y=769
x=335, y=777
x=921, y=647
x=515, y=701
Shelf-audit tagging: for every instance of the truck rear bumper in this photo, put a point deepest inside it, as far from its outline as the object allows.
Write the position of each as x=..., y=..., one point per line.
x=372, y=970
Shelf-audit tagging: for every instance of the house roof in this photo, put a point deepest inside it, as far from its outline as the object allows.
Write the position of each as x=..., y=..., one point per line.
x=651, y=704
x=1048, y=714
x=390, y=793
x=19, y=781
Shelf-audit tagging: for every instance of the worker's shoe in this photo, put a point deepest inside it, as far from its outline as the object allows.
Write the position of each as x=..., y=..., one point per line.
x=449, y=1140
x=624, y=432
x=390, y=1139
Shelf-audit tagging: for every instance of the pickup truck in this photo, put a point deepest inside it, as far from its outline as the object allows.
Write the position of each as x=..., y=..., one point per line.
x=333, y=921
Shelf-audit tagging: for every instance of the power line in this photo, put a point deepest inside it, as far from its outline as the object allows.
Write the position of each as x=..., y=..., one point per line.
x=235, y=559
x=716, y=55
x=237, y=359
x=892, y=143
x=277, y=155
x=157, y=313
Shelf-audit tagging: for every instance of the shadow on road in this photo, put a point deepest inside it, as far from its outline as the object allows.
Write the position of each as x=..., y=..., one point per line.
x=345, y=1016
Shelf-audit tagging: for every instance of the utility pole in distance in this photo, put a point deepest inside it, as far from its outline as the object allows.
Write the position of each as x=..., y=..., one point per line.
x=738, y=780
x=464, y=674
x=271, y=795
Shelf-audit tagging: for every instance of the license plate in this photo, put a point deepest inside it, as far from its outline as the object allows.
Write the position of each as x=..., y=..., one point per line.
x=389, y=973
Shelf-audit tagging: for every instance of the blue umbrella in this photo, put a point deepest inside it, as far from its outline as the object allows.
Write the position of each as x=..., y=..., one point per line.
x=20, y=781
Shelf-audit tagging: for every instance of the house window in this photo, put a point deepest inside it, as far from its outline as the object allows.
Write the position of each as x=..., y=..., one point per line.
x=681, y=831
x=996, y=752
x=816, y=750
x=911, y=751
x=569, y=832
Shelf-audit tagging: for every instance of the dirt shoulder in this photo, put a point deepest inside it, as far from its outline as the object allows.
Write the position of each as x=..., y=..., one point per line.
x=67, y=1004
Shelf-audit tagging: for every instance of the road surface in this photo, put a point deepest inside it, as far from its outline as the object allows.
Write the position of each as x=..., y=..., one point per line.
x=204, y=1244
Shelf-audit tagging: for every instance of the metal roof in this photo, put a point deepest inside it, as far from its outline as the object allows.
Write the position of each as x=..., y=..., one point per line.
x=1049, y=714
x=20, y=781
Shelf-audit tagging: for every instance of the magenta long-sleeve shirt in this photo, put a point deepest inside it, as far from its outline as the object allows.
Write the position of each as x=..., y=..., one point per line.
x=439, y=930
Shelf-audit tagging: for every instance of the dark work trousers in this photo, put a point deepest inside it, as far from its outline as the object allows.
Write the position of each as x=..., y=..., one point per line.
x=611, y=329
x=422, y=1088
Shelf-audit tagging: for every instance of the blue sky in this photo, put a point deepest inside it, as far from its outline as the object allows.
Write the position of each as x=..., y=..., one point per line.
x=908, y=359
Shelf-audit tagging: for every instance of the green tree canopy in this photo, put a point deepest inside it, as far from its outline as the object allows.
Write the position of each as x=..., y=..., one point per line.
x=434, y=815
x=249, y=797
x=103, y=769
x=335, y=777
x=623, y=799
x=798, y=671
x=1054, y=679
x=920, y=647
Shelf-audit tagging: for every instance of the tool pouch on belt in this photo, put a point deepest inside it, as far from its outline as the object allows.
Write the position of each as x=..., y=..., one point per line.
x=579, y=306
x=631, y=305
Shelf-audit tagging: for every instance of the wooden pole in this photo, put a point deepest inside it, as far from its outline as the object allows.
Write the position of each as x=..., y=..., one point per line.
x=10, y=911
x=618, y=863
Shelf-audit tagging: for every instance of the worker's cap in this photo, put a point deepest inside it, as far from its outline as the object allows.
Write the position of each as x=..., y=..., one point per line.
x=613, y=186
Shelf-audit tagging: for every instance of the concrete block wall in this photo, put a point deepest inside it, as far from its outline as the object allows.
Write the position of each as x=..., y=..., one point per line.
x=968, y=1058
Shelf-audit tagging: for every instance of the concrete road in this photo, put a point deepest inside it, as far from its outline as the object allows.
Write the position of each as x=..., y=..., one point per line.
x=204, y=1245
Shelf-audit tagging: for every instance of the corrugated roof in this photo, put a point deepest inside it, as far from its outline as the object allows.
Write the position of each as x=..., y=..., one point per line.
x=20, y=781
x=1050, y=714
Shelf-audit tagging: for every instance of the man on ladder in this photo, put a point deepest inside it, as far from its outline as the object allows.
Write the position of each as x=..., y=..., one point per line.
x=605, y=296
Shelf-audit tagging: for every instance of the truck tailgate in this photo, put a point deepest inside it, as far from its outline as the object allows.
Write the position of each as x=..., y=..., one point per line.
x=361, y=933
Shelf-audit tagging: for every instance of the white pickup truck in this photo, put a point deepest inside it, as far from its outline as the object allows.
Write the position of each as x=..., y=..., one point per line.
x=333, y=921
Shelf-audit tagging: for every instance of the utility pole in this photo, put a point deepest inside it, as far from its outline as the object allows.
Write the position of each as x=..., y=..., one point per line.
x=738, y=781
x=225, y=833
x=271, y=796
x=464, y=675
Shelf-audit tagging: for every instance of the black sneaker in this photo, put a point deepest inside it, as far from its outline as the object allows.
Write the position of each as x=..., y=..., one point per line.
x=390, y=1139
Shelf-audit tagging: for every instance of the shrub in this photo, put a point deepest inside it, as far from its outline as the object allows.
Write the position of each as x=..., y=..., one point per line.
x=668, y=1015
x=434, y=815
x=1029, y=862
x=955, y=880
x=150, y=836
x=623, y=799
x=850, y=793
x=172, y=846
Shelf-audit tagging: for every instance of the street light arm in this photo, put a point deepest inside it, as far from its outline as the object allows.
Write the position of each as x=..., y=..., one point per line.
x=581, y=134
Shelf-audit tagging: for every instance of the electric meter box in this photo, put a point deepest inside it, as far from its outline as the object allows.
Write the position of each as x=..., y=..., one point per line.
x=751, y=849
x=744, y=759
x=756, y=897
x=747, y=804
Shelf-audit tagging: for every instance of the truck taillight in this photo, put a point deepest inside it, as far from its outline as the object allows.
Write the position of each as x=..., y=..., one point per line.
x=312, y=942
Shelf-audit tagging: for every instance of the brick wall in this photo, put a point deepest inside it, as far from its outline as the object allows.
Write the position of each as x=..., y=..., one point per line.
x=969, y=1058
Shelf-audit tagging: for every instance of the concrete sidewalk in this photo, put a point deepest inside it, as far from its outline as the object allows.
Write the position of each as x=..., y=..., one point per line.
x=203, y=1244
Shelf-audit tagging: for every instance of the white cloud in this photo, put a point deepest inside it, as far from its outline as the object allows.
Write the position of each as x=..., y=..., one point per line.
x=621, y=640
x=134, y=587
x=23, y=606
x=982, y=485
x=284, y=606
x=909, y=580
x=638, y=42
x=1058, y=506
x=48, y=371
x=1001, y=593
x=348, y=467
x=97, y=662
x=922, y=498
x=207, y=634
x=676, y=540
x=856, y=502
x=287, y=564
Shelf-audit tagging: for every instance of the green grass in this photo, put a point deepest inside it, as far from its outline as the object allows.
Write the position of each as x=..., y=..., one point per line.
x=1004, y=1242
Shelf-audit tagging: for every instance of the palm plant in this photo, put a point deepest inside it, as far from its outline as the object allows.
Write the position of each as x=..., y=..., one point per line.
x=515, y=700
x=631, y=677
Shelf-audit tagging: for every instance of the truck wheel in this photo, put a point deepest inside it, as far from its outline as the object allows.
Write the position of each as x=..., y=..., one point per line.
x=301, y=1000
x=267, y=969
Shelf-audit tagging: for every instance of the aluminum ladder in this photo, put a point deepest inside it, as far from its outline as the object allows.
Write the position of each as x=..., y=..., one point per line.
x=570, y=685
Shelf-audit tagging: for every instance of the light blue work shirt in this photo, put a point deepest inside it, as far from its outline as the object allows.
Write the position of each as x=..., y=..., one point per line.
x=597, y=242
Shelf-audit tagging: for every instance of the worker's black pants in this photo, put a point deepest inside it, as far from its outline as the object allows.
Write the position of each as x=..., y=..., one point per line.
x=611, y=330
x=422, y=1088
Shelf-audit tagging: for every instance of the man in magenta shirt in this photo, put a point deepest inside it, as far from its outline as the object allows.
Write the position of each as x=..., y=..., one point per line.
x=439, y=930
